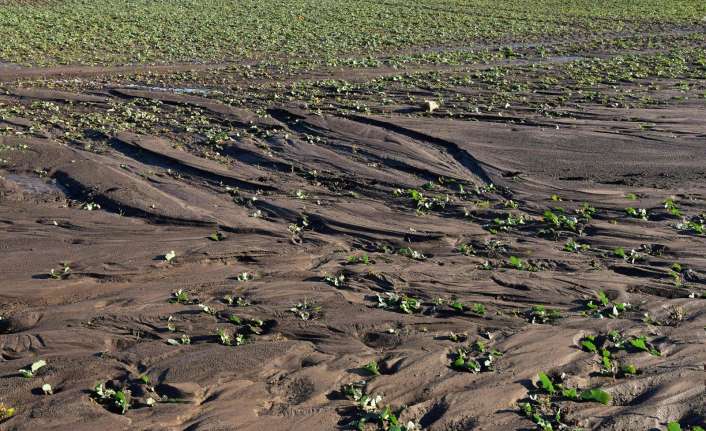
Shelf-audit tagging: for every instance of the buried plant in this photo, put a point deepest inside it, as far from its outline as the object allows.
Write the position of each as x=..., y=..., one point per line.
x=30, y=371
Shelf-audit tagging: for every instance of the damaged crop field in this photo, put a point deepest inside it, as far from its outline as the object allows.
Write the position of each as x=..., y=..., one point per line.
x=353, y=214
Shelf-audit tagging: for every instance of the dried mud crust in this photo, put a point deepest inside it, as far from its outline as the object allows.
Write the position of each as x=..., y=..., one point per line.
x=112, y=177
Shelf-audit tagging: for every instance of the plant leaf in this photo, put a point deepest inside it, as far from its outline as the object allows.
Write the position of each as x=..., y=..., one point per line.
x=597, y=395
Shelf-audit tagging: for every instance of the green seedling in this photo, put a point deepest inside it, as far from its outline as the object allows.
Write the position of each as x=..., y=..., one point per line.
x=466, y=249
x=245, y=276
x=372, y=368
x=517, y=263
x=474, y=359
x=561, y=221
x=597, y=395
x=364, y=259
x=217, y=236
x=696, y=225
x=224, y=337
x=540, y=314
x=90, y=206
x=606, y=308
x=631, y=196
x=237, y=301
x=411, y=253
x=119, y=400
x=632, y=257
x=306, y=310
x=335, y=280
x=457, y=305
x=478, y=309
x=30, y=371
x=638, y=213
x=675, y=426
x=586, y=212
x=545, y=383
x=511, y=204
x=672, y=208
x=510, y=222
x=206, y=309
x=180, y=297
x=6, y=412
x=183, y=340
x=640, y=343
x=403, y=303
x=574, y=247
x=588, y=344
x=61, y=273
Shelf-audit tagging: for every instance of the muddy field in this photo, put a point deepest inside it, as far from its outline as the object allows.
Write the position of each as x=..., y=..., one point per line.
x=245, y=247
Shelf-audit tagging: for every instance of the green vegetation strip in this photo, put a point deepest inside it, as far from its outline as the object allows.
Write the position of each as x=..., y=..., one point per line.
x=150, y=31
